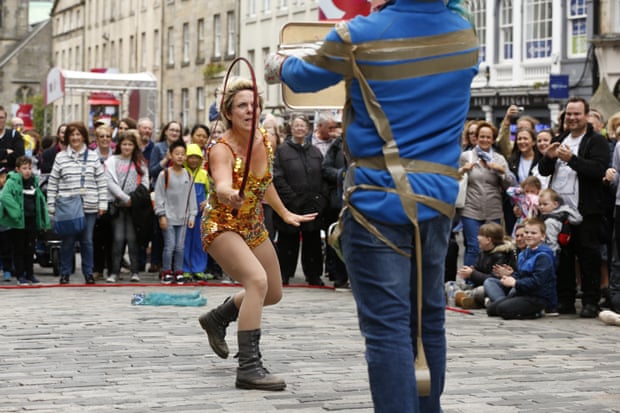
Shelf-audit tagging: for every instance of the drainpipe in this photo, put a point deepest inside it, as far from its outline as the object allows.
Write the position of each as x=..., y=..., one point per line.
x=596, y=29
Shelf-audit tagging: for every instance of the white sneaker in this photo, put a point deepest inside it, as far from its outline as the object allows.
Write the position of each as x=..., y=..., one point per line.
x=111, y=279
x=135, y=278
x=609, y=317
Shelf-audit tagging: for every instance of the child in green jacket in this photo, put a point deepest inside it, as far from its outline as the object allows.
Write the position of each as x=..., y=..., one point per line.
x=24, y=211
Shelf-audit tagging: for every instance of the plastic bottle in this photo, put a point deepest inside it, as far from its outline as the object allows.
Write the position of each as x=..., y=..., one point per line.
x=451, y=293
x=138, y=299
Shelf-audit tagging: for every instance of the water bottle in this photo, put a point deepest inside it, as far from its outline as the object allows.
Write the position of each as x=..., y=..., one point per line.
x=138, y=299
x=451, y=293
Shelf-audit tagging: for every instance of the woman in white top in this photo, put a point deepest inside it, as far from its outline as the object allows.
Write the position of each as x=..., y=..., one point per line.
x=125, y=171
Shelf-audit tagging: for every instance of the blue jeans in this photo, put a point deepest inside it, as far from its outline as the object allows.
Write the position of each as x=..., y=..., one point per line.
x=495, y=290
x=470, y=235
x=384, y=286
x=67, y=248
x=174, y=239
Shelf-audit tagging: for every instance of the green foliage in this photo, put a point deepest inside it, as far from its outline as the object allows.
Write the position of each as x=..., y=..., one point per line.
x=213, y=69
x=38, y=114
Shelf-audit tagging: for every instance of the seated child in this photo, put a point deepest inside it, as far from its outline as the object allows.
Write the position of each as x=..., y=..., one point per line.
x=554, y=215
x=495, y=249
x=525, y=199
x=530, y=290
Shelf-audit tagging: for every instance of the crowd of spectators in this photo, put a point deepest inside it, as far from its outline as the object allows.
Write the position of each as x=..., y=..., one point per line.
x=549, y=187
x=114, y=160
x=566, y=176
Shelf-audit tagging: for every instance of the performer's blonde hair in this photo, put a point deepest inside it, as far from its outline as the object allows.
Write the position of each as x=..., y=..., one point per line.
x=235, y=85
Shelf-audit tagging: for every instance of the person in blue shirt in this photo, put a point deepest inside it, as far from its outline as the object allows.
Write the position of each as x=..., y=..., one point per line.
x=530, y=290
x=408, y=71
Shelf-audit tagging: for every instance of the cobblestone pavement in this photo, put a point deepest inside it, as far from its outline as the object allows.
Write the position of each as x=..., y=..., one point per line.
x=89, y=350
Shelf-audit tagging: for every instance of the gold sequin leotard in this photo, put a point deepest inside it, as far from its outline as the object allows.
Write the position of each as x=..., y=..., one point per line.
x=248, y=222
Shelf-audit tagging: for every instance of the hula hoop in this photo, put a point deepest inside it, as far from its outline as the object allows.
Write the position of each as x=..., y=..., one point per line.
x=248, y=156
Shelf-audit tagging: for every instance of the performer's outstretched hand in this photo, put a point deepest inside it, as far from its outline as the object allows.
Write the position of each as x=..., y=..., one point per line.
x=296, y=220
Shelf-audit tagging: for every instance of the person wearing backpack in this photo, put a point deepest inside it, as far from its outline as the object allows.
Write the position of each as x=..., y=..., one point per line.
x=559, y=219
x=175, y=208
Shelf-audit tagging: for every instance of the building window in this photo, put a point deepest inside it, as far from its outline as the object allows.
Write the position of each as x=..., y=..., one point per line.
x=251, y=8
x=577, y=36
x=156, y=48
x=200, y=40
x=77, y=58
x=266, y=6
x=217, y=36
x=230, y=17
x=185, y=42
x=505, y=31
x=132, y=53
x=252, y=57
x=479, y=14
x=171, y=45
x=184, y=107
x=143, y=51
x=170, y=104
x=200, y=98
x=113, y=54
x=265, y=52
x=282, y=4
x=538, y=34
x=121, y=54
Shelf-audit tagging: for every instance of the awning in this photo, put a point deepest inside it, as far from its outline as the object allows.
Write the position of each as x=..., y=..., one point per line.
x=59, y=81
x=103, y=102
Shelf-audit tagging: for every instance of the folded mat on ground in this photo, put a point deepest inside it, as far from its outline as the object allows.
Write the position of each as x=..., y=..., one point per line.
x=192, y=299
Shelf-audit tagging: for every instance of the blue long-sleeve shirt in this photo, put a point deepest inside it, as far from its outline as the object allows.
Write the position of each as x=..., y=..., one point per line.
x=536, y=274
x=426, y=99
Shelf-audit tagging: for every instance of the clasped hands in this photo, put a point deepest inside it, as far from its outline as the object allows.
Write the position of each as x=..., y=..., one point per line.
x=505, y=273
x=558, y=150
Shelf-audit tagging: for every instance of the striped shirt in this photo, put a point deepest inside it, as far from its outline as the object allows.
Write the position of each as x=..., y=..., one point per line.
x=66, y=176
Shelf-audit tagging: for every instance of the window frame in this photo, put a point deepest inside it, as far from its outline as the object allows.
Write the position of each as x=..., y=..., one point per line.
x=186, y=43
x=231, y=43
x=217, y=35
x=170, y=44
x=506, y=31
x=538, y=30
x=571, y=38
x=479, y=17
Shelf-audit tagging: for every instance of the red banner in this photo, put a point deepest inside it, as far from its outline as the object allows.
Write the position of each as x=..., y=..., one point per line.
x=342, y=9
x=24, y=111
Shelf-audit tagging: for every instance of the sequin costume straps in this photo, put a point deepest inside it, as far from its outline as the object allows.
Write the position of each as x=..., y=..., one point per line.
x=248, y=222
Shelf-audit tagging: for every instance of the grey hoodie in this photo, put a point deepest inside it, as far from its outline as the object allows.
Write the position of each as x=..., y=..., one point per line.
x=554, y=221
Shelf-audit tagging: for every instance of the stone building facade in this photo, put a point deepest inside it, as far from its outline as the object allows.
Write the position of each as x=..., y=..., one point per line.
x=176, y=40
x=25, y=55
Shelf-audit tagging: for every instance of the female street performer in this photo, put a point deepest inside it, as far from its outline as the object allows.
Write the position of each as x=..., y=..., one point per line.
x=408, y=70
x=234, y=233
